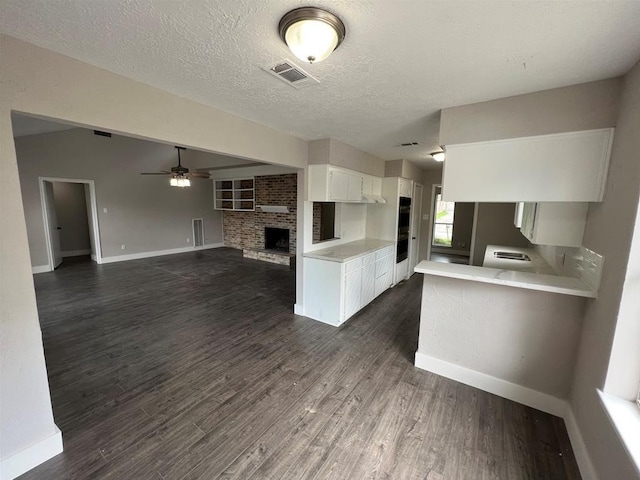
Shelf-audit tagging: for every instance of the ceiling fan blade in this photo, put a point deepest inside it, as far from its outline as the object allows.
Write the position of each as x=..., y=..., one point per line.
x=200, y=175
x=156, y=173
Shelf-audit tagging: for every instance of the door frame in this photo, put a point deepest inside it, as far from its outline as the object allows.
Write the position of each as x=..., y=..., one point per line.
x=431, y=215
x=94, y=226
x=414, y=257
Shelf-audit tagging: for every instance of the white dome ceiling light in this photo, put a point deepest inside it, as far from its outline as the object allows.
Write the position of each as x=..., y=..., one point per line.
x=311, y=33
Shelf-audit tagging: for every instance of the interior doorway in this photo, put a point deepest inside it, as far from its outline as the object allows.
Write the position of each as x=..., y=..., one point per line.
x=70, y=218
x=451, y=230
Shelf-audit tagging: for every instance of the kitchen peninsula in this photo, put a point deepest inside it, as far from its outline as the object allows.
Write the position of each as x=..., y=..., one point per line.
x=511, y=333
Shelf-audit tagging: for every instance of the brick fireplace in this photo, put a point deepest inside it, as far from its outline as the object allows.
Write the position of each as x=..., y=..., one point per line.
x=246, y=230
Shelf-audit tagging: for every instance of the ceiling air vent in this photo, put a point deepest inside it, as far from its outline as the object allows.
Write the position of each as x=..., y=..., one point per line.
x=291, y=74
x=101, y=133
x=407, y=144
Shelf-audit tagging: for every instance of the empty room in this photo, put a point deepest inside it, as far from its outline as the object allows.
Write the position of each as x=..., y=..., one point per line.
x=329, y=240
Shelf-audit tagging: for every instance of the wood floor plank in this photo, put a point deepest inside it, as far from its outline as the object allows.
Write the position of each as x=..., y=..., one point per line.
x=230, y=384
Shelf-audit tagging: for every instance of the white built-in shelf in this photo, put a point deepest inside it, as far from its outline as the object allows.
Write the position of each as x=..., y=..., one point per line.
x=235, y=194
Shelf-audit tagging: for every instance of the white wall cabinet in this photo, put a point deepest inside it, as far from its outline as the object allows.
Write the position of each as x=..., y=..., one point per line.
x=334, y=184
x=563, y=167
x=554, y=223
x=335, y=291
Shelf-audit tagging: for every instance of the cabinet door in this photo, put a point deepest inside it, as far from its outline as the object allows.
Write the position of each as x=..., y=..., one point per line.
x=528, y=220
x=376, y=186
x=368, y=284
x=338, y=186
x=558, y=223
x=352, y=293
x=384, y=265
x=405, y=187
x=367, y=185
x=355, y=188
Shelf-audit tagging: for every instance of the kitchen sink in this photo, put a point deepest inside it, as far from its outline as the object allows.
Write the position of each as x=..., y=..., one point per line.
x=522, y=257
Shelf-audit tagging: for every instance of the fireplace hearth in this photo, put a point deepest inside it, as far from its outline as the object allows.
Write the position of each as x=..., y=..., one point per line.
x=276, y=239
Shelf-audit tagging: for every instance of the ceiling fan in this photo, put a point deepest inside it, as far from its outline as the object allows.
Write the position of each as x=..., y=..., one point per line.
x=180, y=176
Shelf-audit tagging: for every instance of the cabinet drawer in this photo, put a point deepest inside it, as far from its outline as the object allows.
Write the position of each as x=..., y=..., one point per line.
x=384, y=252
x=369, y=259
x=353, y=265
x=384, y=265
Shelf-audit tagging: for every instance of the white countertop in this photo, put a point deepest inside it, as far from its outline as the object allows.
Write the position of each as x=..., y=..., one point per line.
x=536, y=265
x=511, y=278
x=348, y=251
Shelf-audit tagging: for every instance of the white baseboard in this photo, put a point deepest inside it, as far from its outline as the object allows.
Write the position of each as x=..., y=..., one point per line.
x=158, y=253
x=579, y=448
x=40, y=269
x=298, y=310
x=94, y=258
x=31, y=457
x=76, y=253
x=512, y=391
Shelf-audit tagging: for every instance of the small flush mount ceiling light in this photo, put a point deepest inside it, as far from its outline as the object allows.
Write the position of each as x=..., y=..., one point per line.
x=438, y=156
x=311, y=33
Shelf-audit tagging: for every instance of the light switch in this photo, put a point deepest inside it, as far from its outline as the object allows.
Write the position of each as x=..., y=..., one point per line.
x=104, y=210
x=425, y=216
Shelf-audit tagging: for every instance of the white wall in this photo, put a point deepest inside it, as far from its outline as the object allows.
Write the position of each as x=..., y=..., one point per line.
x=71, y=213
x=403, y=168
x=609, y=232
x=578, y=107
x=38, y=81
x=143, y=212
x=520, y=336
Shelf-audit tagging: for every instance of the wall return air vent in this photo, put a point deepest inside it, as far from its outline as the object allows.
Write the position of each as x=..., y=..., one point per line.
x=291, y=74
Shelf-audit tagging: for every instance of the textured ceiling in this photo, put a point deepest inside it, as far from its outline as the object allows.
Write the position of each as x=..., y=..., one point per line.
x=401, y=62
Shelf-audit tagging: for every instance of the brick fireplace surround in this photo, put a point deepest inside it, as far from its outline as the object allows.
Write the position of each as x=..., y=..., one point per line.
x=245, y=230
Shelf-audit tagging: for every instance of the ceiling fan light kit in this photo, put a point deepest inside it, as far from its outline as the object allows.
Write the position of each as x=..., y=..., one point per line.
x=180, y=176
x=311, y=33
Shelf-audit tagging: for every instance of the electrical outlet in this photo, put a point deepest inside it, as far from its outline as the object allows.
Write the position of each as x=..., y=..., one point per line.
x=122, y=247
x=188, y=240
x=425, y=216
x=104, y=210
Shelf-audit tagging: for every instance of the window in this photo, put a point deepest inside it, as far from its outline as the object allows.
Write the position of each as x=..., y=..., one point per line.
x=442, y=221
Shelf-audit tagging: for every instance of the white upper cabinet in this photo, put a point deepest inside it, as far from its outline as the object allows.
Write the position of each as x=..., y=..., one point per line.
x=405, y=187
x=333, y=184
x=551, y=223
x=563, y=167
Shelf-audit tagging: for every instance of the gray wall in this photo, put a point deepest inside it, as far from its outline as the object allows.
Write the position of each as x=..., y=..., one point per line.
x=495, y=227
x=143, y=212
x=71, y=213
x=463, y=226
x=578, y=107
x=609, y=232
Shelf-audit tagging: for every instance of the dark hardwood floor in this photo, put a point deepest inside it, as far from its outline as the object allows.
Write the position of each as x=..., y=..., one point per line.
x=193, y=366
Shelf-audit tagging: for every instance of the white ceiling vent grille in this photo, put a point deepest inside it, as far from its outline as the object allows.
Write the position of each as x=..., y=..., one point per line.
x=291, y=74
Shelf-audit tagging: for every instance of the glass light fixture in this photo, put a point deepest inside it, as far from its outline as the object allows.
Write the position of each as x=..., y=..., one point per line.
x=311, y=33
x=180, y=181
x=438, y=156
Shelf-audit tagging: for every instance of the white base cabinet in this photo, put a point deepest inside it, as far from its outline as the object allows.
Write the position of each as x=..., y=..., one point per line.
x=334, y=291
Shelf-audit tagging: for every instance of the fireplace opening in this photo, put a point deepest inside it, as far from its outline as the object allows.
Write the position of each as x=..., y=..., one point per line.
x=276, y=239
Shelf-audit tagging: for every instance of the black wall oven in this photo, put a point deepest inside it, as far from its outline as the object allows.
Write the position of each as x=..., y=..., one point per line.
x=404, y=223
